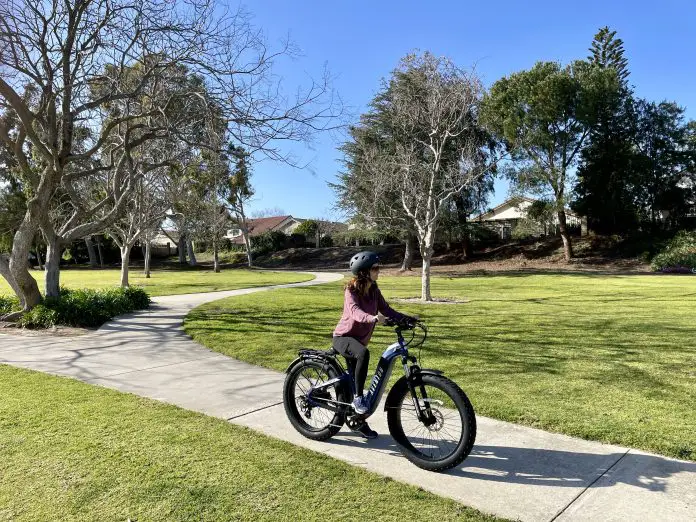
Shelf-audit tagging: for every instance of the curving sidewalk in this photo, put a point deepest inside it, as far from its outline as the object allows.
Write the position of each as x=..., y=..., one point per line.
x=513, y=471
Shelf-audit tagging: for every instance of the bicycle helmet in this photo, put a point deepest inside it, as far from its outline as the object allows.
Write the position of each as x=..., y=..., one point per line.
x=363, y=261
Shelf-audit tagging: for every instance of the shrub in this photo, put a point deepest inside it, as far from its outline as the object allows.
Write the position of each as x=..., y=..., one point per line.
x=362, y=236
x=525, y=229
x=86, y=308
x=8, y=304
x=298, y=240
x=41, y=316
x=268, y=242
x=679, y=255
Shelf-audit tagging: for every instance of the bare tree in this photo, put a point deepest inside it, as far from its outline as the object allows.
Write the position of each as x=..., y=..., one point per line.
x=147, y=237
x=216, y=224
x=268, y=212
x=91, y=63
x=438, y=150
x=145, y=211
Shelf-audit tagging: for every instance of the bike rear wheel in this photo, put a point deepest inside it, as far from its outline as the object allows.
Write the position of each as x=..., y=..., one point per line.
x=304, y=412
x=446, y=437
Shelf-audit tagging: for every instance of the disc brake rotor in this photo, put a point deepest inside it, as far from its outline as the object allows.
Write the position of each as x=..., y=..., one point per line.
x=439, y=420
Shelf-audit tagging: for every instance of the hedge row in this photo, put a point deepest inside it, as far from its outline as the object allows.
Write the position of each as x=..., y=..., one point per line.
x=82, y=308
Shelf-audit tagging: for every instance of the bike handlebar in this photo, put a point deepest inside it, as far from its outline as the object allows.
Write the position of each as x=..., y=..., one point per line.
x=408, y=323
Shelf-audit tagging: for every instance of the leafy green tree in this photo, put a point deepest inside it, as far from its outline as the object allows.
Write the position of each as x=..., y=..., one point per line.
x=237, y=191
x=308, y=228
x=371, y=207
x=544, y=117
x=664, y=163
x=605, y=191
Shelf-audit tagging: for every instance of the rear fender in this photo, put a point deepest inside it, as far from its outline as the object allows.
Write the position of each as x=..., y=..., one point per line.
x=327, y=361
x=316, y=355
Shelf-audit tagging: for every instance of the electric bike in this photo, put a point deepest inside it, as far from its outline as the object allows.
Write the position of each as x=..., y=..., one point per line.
x=429, y=416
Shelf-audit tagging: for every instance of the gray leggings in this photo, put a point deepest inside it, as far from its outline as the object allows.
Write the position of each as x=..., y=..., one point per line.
x=358, y=358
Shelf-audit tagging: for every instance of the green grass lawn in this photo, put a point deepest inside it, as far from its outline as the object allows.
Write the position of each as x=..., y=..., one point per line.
x=608, y=358
x=72, y=451
x=168, y=282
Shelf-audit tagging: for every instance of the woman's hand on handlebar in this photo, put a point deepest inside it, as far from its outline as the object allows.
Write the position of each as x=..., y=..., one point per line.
x=382, y=319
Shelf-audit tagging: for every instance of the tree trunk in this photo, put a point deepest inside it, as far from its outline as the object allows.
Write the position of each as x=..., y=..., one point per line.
x=125, y=258
x=191, y=253
x=52, y=270
x=90, y=251
x=247, y=245
x=425, y=279
x=216, y=261
x=427, y=248
x=563, y=229
x=39, y=259
x=181, y=248
x=318, y=238
x=100, y=252
x=148, y=256
x=28, y=288
x=7, y=275
x=408, y=254
x=467, y=247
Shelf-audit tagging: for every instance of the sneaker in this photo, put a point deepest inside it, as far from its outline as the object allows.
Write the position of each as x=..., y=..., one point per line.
x=367, y=432
x=360, y=405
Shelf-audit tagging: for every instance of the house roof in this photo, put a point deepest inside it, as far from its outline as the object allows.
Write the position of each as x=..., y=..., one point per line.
x=260, y=225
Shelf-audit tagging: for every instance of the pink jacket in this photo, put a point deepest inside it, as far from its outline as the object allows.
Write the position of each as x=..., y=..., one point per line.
x=358, y=319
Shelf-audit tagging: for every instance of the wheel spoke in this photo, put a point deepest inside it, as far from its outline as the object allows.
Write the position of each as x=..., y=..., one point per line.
x=439, y=440
x=308, y=378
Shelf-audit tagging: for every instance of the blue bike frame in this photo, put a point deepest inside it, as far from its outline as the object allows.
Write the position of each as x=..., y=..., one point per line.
x=382, y=374
x=379, y=380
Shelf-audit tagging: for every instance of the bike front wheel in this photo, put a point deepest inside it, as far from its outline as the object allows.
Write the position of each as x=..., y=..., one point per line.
x=444, y=435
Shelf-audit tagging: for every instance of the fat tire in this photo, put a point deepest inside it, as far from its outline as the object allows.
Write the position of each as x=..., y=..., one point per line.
x=466, y=412
x=295, y=416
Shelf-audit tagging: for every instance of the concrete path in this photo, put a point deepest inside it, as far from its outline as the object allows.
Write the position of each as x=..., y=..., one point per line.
x=513, y=471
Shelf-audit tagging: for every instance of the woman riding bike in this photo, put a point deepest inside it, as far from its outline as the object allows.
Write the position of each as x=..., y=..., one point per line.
x=363, y=307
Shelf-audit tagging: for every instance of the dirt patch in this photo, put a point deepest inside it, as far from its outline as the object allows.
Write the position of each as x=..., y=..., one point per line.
x=59, y=331
x=435, y=301
x=596, y=255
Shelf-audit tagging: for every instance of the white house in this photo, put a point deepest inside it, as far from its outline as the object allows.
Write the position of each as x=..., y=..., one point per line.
x=505, y=216
x=285, y=224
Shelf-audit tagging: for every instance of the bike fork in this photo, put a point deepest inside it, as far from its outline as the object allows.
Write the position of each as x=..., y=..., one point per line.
x=425, y=415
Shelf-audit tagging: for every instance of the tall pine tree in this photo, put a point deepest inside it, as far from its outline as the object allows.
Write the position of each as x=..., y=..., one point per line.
x=608, y=51
x=605, y=191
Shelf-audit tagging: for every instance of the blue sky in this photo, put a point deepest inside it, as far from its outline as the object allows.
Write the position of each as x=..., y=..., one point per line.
x=361, y=42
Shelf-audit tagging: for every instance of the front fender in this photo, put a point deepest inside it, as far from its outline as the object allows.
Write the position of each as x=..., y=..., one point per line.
x=400, y=387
